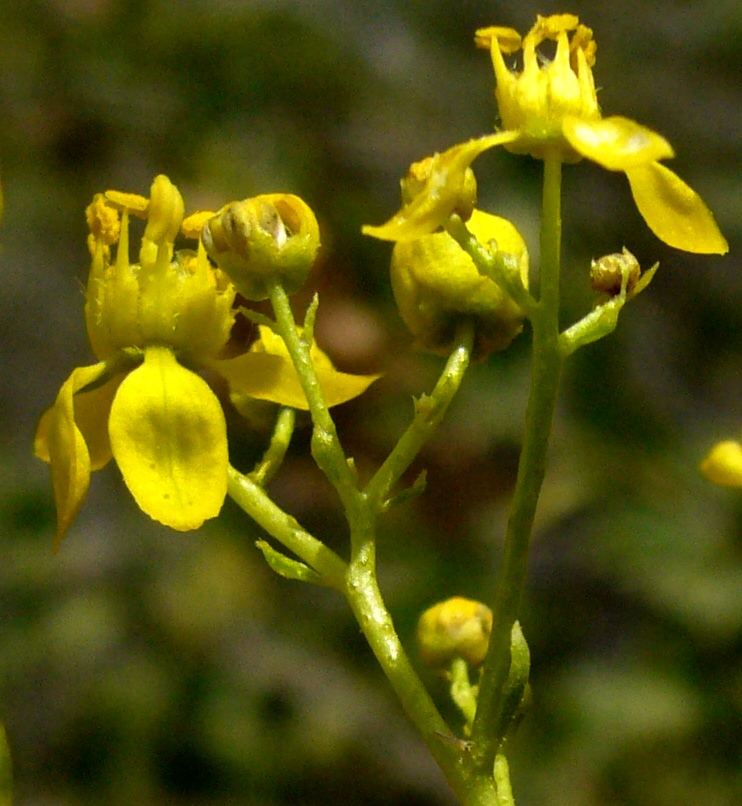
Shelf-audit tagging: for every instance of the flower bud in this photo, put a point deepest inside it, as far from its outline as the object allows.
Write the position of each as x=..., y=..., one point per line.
x=723, y=464
x=456, y=628
x=436, y=285
x=607, y=273
x=263, y=240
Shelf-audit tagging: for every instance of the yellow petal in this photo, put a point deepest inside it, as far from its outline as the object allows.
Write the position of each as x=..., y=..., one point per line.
x=60, y=442
x=264, y=377
x=269, y=377
x=435, y=203
x=723, y=465
x=674, y=212
x=169, y=438
x=616, y=143
x=91, y=415
x=91, y=410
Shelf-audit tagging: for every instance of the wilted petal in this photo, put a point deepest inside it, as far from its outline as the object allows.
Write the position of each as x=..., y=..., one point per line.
x=674, y=211
x=723, y=465
x=169, y=438
x=616, y=143
x=434, y=204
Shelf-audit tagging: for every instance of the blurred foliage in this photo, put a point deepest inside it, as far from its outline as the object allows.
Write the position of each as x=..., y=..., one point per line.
x=144, y=666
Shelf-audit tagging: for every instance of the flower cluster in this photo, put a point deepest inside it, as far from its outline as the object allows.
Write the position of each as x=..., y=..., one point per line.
x=152, y=325
x=550, y=109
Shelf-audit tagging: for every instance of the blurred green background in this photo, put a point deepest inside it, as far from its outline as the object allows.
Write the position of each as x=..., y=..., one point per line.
x=144, y=666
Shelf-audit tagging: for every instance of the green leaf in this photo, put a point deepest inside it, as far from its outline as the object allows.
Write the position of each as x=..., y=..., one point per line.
x=417, y=488
x=286, y=567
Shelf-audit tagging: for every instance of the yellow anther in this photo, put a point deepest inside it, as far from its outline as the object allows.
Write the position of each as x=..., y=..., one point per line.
x=103, y=221
x=508, y=40
x=137, y=205
x=194, y=223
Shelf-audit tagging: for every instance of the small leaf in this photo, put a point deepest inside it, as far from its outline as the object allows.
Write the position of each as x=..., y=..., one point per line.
x=258, y=318
x=417, y=488
x=286, y=567
x=309, y=319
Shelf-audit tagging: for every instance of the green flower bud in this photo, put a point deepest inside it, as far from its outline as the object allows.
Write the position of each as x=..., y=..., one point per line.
x=436, y=285
x=266, y=239
x=456, y=628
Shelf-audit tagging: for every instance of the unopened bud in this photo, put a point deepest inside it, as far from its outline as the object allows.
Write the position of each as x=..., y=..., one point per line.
x=456, y=628
x=436, y=285
x=263, y=240
x=607, y=273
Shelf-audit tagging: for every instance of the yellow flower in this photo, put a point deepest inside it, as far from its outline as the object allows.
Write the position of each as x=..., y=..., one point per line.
x=552, y=106
x=723, y=464
x=150, y=325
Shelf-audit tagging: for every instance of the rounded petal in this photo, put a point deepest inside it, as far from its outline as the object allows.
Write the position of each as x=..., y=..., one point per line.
x=674, y=212
x=723, y=465
x=60, y=442
x=169, y=438
x=435, y=203
x=616, y=143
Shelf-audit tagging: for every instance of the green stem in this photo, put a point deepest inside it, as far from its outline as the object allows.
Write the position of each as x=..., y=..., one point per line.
x=360, y=583
x=326, y=447
x=368, y=606
x=545, y=372
x=429, y=411
x=463, y=693
x=500, y=267
x=283, y=527
x=502, y=779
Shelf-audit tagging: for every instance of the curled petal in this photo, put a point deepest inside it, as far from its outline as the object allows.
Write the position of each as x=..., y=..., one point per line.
x=60, y=442
x=723, y=465
x=169, y=438
x=438, y=199
x=616, y=143
x=674, y=212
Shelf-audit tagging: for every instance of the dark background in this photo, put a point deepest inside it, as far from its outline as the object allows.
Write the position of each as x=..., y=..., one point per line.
x=141, y=665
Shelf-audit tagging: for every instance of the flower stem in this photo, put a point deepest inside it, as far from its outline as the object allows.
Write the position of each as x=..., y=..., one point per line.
x=326, y=448
x=360, y=580
x=429, y=411
x=283, y=527
x=545, y=373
